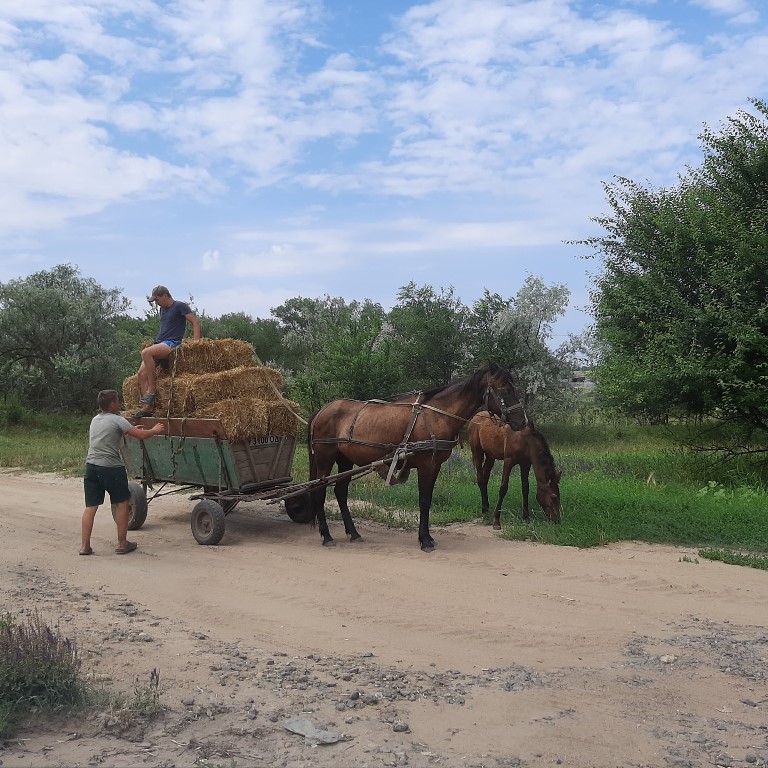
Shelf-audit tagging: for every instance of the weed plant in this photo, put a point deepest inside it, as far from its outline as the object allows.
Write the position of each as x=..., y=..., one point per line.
x=39, y=669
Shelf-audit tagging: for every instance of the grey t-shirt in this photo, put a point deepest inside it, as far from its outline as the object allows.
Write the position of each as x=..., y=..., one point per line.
x=105, y=437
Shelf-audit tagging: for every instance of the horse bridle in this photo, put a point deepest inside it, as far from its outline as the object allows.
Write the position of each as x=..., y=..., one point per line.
x=504, y=409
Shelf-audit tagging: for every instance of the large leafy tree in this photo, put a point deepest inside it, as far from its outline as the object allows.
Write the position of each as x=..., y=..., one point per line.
x=58, y=345
x=337, y=349
x=681, y=304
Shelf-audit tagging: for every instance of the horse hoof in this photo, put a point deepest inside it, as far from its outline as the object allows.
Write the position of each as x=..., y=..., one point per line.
x=496, y=527
x=427, y=547
x=329, y=543
x=356, y=538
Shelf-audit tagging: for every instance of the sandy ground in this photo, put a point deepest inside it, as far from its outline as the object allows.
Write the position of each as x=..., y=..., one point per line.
x=483, y=653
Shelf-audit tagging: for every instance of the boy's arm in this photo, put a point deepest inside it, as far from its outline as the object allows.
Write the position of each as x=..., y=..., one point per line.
x=191, y=318
x=142, y=433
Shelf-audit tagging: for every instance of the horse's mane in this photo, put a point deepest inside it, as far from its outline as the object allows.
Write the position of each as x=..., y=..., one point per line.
x=469, y=384
x=541, y=446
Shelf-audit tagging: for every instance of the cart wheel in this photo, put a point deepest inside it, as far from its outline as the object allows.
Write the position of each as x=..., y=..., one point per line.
x=137, y=507
x=299, y=509
x=207, y=522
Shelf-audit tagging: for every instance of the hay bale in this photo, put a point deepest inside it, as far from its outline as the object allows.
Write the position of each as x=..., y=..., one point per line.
x=282, y=418
x=244, y=382
x=210, y=356
x=248, y=418
x=242, y=420
x=131, y=391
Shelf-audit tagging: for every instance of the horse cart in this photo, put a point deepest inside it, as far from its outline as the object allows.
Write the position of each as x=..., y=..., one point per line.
x=195, y=455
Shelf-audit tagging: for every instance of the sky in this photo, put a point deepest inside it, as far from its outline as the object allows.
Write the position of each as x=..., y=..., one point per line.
x=245, y=152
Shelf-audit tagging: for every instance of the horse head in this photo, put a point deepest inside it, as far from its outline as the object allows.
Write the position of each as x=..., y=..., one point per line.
x=501, y=398
x=548, y=496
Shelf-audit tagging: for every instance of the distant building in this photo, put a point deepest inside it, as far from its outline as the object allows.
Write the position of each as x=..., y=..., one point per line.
x=581, y=380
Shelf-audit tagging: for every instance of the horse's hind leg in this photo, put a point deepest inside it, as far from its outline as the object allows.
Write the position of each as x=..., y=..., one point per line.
x=503, y=488
x=319, y=470
x=341, y=491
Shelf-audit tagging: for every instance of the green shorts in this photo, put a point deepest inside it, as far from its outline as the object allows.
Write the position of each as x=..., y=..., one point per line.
x=98, y=480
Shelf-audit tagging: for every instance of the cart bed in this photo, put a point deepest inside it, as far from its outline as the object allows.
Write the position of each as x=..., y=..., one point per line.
x=196, y=452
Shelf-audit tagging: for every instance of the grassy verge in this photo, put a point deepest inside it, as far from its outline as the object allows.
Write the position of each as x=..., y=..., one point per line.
x=46, y=444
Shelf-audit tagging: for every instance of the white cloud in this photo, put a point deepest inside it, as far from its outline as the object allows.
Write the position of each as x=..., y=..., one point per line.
x=211, y=261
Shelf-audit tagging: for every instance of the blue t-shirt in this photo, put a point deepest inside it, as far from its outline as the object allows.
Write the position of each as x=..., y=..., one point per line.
x=173, y=322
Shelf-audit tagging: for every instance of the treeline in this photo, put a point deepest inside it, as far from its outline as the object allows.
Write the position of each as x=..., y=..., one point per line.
x=63, y=337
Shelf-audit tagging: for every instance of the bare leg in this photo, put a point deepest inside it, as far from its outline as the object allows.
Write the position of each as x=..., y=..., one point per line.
x=87, y=529
x=148, y=367
x=122, y=515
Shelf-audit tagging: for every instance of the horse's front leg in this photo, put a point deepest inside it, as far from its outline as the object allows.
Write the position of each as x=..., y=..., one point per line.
x=341, y=491
x=525, y=469
x=503, y=488
x=427, y=478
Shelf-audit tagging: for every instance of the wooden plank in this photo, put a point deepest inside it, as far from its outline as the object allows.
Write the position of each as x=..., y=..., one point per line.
x=186, y=427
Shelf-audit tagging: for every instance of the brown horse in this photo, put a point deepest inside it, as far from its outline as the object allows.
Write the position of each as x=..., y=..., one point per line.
x=491, y=439
x=416, y=431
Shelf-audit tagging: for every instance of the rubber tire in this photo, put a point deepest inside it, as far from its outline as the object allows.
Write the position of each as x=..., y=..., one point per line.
x=137, y=507
x=208, y=522
x=299, y=509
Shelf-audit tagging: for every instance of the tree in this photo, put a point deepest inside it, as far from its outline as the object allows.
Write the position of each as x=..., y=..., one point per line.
x=680, y=305
x=264, y=335
x=58, y=345
x=430, y=331
x=516, y=333
x=338, y=349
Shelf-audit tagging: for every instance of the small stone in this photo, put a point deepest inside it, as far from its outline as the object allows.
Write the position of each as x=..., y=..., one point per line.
x=400, y=727
x=667, y=658
x=188, y=702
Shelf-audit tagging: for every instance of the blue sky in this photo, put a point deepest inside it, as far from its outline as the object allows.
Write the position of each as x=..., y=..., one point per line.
x=244, y=152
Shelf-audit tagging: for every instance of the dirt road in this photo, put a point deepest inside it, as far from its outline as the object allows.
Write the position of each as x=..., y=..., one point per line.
x=483, y=653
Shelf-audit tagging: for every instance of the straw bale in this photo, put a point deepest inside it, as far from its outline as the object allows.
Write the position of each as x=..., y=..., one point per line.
x=131, y=391
x=241, y=419
x=180, y=395
x=248, y=418
x=212, y=355
x=254, y=382
x=282, y=418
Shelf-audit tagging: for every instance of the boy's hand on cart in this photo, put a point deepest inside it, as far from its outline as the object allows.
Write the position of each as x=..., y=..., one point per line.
x=159, y=429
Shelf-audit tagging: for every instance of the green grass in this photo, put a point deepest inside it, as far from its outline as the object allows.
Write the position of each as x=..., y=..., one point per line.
x=46, y=444
x=736, y=558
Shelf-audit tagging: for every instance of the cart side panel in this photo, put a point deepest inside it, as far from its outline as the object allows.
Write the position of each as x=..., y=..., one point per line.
x=263, y=459
x=200, y=461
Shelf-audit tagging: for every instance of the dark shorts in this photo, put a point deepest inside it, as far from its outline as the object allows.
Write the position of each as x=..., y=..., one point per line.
x=97, y=480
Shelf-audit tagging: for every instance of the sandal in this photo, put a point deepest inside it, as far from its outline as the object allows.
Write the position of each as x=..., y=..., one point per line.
x=129, y=547
x=88, y=551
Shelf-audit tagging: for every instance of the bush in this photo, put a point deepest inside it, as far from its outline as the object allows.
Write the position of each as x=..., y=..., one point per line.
x=39, y=669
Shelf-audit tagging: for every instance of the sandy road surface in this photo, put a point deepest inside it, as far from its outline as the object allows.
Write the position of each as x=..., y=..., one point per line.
x=483, y=653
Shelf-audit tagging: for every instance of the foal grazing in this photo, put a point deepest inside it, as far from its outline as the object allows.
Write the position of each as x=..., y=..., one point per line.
x=491, y=439
x=420, y=430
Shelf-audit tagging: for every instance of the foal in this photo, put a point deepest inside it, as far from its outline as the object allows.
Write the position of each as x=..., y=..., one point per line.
x=491, y=439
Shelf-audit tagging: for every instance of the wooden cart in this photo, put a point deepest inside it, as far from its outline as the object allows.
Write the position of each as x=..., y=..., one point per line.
x=196, y=455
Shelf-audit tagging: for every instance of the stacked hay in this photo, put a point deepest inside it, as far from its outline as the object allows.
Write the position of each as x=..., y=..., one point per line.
x=218, y=379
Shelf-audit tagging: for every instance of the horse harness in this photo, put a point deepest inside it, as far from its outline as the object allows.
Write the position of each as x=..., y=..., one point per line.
x=399, y=453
